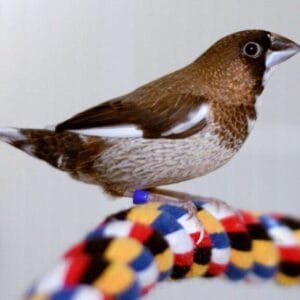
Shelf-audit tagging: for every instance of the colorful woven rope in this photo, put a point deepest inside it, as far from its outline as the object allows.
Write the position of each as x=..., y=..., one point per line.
x=133, y=250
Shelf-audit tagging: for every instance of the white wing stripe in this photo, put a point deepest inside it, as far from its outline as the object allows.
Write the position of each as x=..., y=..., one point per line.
x=194, y=118
x=116, y=131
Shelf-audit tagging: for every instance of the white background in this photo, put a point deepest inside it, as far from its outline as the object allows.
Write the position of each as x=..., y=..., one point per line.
x=58, y=57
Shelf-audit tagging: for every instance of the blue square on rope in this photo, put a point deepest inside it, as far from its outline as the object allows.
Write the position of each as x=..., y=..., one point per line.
x=65, y=294
x=166, y=224
x=173, y=210
x=220, y=240
x=268, y=221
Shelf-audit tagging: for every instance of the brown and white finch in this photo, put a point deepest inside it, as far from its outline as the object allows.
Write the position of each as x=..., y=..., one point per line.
x=180, y=126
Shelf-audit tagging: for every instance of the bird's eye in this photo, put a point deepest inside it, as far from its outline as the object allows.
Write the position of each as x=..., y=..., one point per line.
x=252, y=49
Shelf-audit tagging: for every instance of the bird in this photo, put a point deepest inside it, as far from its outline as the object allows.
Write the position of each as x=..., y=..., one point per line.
x=183, y=125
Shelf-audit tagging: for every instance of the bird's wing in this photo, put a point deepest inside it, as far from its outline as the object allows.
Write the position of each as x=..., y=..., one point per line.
x=170, y=116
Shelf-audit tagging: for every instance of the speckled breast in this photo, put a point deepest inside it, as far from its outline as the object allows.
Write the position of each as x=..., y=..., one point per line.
x=133, y=163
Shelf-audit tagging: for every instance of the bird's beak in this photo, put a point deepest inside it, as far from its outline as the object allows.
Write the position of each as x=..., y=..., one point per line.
x=280, y=50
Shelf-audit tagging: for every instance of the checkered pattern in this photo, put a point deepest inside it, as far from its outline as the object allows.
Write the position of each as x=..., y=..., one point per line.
x=131, y=251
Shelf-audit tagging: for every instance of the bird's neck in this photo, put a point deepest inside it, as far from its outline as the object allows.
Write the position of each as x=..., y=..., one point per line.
x=231, y=82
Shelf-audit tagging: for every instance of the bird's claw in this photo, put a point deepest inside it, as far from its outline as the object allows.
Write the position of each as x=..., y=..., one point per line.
x=191, y=209
x=183, y=201
x=220, y=204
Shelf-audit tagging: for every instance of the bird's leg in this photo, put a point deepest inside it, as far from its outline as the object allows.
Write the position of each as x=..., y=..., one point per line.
x=217, y=203
x=186, y=201
x=176, y=198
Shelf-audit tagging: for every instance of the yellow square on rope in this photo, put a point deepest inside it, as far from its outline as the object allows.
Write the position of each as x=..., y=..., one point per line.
x=211, y=224
x=123, y=249
x=286, y=280
x=144, y=214
x=265, y=252
x=39, y=297
x=242, y=259
x=115, y=279
x=297, y=235
x=196, y=270
x=164, y=260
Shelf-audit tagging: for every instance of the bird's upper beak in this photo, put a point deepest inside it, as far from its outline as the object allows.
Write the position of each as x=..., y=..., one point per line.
x=280, y=50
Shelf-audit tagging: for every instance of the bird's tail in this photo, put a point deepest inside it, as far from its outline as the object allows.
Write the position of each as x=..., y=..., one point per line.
x=66, y=151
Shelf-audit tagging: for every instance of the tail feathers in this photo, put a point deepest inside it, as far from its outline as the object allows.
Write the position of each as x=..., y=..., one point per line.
x=43, y=144
x=23, y=139
x=9, y=135
x=66, y=151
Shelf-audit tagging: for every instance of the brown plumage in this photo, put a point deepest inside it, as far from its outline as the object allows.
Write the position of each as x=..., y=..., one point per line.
x=183, y=125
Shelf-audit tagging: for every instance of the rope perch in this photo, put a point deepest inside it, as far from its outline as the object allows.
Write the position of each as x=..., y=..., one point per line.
x=133, y=250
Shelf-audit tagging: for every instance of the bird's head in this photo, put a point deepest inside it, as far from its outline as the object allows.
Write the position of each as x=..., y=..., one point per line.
x=241, y=61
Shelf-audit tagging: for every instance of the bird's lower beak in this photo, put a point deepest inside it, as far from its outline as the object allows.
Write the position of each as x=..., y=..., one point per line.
x=281, y=49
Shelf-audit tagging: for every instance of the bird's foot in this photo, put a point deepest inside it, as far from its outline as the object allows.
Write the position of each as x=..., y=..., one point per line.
x=217, y=203
x=220, y=205
x=182, y=200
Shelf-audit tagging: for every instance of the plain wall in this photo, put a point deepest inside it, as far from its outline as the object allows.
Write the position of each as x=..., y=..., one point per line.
x=58, y=57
